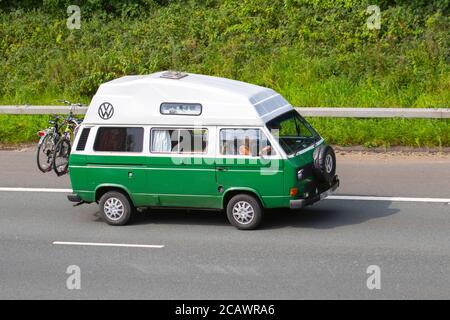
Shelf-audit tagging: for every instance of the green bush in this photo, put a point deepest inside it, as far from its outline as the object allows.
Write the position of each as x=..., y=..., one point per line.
x=315, y=53
x=429, y=133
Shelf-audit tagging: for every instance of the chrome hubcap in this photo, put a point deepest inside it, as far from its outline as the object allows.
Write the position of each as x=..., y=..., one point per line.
x=328, y=163
x=243, y=212
x=114, y=209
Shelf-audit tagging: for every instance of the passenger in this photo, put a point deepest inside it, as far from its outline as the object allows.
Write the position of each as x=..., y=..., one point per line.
x=244, y=149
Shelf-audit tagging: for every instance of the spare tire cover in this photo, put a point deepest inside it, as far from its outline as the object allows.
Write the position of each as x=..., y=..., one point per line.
x=324, y=163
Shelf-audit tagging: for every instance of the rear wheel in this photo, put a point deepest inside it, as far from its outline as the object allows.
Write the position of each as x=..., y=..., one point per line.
x=115, y=208
x=244, y=212
x=61, y=157
x=44, y=155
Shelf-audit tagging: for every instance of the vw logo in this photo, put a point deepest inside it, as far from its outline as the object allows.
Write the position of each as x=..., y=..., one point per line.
x=328, y=163
x=106, y=110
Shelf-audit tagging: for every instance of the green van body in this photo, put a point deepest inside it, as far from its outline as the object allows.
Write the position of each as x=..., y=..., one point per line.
x=157, y=181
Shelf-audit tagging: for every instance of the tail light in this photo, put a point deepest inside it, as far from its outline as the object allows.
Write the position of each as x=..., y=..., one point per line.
x=41, y=133
x=293, y=192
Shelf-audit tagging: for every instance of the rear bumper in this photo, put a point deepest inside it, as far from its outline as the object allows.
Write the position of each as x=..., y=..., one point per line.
x=301, y=203
x=74, y=198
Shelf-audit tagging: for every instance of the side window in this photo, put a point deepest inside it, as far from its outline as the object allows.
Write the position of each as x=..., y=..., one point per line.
x=119, y=139
x=244, y=142
x=83, y=139
x=179, y=140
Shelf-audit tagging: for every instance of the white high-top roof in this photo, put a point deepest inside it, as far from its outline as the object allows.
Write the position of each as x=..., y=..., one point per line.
x=137, y=100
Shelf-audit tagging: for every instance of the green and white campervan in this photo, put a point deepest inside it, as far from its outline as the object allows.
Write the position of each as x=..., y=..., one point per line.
x=173, y=139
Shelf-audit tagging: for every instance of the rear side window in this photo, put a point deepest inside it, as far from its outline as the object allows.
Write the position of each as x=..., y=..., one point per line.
x=83, y=139
x=119, y=139
x=179, y=140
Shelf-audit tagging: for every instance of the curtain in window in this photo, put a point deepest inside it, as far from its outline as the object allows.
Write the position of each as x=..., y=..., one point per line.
x=161, y=141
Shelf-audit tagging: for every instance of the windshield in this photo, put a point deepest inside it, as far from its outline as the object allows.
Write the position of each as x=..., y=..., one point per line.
x=293, y=132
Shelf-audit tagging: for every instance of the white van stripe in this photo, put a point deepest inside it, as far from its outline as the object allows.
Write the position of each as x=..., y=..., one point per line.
x=331, y=197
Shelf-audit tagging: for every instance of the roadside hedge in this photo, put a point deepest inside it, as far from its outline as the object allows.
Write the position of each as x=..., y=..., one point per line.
x=316, y=53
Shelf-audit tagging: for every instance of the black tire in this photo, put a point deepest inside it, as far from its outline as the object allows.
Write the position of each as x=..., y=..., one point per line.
x=106, y=202
x=242, y=201
x=61, y=156
x=45, y=150
x=324, y=163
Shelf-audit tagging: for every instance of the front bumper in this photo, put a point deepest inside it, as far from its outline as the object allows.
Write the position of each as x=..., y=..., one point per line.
x=301, y=203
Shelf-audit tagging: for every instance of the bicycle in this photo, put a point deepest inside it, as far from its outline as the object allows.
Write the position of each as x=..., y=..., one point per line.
x=61, y=152
x=46, y=146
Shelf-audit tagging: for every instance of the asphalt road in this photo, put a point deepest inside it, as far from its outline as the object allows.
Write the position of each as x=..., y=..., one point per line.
x=321, y=252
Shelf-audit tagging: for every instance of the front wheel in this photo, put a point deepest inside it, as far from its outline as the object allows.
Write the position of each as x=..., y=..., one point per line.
x=61, y=157
x=244, y=212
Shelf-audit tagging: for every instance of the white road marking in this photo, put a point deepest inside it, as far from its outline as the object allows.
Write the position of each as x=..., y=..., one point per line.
x=331, y=197
x=99, y=244
x=36, y=190
x=394, y=199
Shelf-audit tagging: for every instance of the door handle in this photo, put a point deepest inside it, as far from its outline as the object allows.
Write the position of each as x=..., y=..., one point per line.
x=222, y=169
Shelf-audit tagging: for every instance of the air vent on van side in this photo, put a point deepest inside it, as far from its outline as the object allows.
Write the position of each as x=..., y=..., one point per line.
x=83, y=139
x=175, y=75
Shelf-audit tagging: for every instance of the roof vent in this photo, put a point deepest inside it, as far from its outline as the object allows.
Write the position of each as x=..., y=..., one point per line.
x=175, y=75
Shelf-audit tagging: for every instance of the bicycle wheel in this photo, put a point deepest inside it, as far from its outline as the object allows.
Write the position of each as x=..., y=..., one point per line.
x=44, y=153
x=61, y=157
